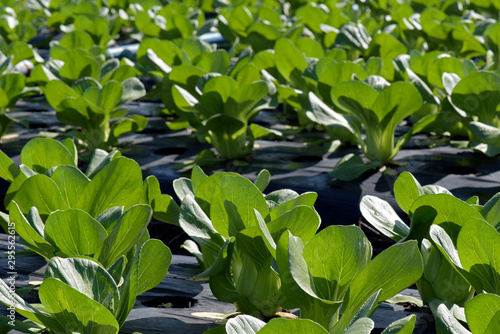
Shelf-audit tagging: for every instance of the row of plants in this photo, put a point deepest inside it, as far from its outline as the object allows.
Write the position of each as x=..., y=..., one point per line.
x=355, y=71
x=261, y=251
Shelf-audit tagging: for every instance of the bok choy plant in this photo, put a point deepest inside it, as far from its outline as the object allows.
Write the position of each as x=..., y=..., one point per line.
x=79, y=295
x=90, y=106
x=474, y=254
x=222, y=109
x=334, y=271
x=237, y=227
x=379, y=107
x=11, y=89
x=49, y=180
x=101, y=217
x=426, y=206
x=477, y=96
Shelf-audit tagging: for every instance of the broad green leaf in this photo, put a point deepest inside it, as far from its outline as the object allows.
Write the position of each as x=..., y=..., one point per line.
x=401, y=266
x=361, y=326
x=110, y=217
x=335, y=123
x=76, y=311
x=154, y=260
x=252, y=242
x=262, y=180
x=118, y=183
x=353, y=35
x=382, y=216
x=133, y=123
x=128, y=290
x=73, y=111
x=109, y=96
x=79, y=65
x=312, y=16
x=197, y=177
x=35, y=221
x=351, y=167
x=427, y=94
x=71, y=182
x=151, y=188
x=217, y=61
x=77, y=39
x=26, y=326
x=108, y=68
x=442, y=65
x=482, y=313
x=334, y=257
x=443, y=241
x=221, y=279
x=246, y=101
x=446, y=322
x=292, y=326
x=421, y=221
x=27, y=171
x=193, y=248
x=287, y=199
x=486, y=133
x=182, y=187
x=156, y=65
x=406, y=190
x=165, y=209
x=12, y=85
x=184, y=100
x=86, y=277
x=133, y=89
x=41, y=154
x=244, y=324
x=198, y=226
x=386, y=46
x=126, y=233
x=257, y=131
x=99, y=159
x=71, y=147
x=397, y=102
x=479, y=95
x=281, y=196
x=232, y=200
x=220, y=265
x=478, y=247
x=28, y=232
x=293, y=295
x=27, y=310
x=302, y=221
x=289, y=61
x=8, y=170
x=439, y=271
x=401, y=326
x=14, y=187
x=240, y=19
x=216, y=91
x=74, y=232
x=451, y=212
x=165, y=49
x=491, y=211
x=356, y=97
x=42, y=192
x=298, y=284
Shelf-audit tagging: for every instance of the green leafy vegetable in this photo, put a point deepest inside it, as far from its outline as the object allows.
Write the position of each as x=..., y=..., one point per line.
x=237, y=228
